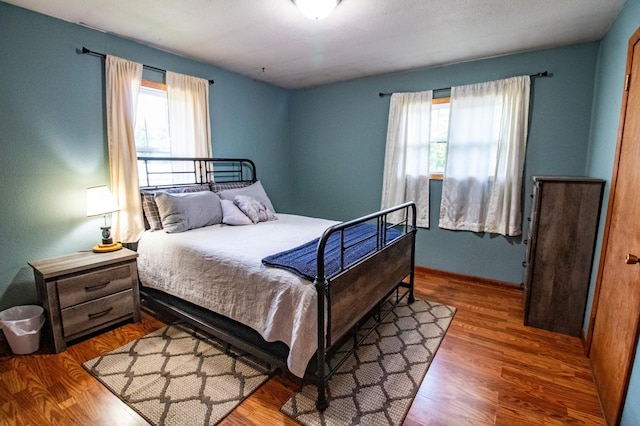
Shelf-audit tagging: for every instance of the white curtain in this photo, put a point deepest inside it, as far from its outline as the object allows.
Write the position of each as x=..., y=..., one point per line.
x=189, y=122
x=481, y=191
x=122, y=87
x=406, y=161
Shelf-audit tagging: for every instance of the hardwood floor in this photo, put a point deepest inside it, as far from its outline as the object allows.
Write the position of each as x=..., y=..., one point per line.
x=490, y=369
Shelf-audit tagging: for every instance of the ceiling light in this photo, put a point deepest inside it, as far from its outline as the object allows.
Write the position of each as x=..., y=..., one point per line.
x=316, y=9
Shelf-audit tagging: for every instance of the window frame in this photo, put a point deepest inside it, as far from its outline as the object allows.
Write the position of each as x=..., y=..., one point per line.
x=436, y=101
x=154, y=85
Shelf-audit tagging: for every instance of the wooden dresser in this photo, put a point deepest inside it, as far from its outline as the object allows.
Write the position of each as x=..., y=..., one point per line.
x=85, y=292
x=560, y=245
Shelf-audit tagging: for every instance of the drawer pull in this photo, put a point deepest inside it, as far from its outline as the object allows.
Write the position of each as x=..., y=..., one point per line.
x=101, y=313
x=96, y=286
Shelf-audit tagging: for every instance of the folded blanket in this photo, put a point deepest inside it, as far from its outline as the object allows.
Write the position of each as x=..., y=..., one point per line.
x=359, y=240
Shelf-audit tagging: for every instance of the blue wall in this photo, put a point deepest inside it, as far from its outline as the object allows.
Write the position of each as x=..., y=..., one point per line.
x=612, y=59
x=338, y=137
x=53, y=135
x=331, y=138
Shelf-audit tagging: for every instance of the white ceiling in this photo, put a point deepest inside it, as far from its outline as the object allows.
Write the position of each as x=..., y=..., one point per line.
x=271, y=41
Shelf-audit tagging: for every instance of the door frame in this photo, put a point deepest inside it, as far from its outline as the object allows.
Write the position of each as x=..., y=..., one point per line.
x=635, y=38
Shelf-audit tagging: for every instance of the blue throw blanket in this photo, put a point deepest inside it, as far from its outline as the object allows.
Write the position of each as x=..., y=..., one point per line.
x=302, y=260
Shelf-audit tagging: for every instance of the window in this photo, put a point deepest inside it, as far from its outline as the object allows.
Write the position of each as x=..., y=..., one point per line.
x=152, y=121
x=438, y=138
x=440, y=109
x=122, y=78
x=152, y=132
x=488, y=135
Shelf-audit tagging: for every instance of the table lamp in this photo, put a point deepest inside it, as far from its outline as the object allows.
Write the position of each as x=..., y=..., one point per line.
x=100, y=201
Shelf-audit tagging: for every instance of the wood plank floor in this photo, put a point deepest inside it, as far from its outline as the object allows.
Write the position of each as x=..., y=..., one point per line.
x=490, y=369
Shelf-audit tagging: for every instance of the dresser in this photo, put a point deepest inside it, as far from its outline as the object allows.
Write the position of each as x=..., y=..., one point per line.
x=560, y=246
x=86, y=292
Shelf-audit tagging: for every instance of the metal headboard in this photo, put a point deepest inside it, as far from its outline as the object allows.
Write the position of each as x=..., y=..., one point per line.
x=161, y=172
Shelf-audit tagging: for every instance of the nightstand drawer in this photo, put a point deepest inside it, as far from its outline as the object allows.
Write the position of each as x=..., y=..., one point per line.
x=92, y=285
x=88, y=315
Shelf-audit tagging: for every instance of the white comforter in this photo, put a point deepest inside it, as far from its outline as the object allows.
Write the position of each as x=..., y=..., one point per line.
x=219, y=268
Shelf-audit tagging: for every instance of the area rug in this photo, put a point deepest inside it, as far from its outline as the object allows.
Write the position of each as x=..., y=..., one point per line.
x=377, y=384
x=175, y=376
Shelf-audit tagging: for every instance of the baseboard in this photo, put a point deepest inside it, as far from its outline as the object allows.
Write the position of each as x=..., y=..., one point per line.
x=462, y=277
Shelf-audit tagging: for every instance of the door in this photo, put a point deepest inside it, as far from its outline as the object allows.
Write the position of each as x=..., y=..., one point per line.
x=613, y=329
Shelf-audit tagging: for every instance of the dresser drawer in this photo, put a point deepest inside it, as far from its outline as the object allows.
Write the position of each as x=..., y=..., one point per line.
x=85, y=316
x=92, y=285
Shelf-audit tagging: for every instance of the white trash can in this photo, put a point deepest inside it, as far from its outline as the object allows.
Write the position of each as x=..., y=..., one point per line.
x=21, y=326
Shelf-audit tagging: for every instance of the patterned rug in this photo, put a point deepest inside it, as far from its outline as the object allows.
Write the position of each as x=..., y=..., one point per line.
x=175, y=376
x=376, y=385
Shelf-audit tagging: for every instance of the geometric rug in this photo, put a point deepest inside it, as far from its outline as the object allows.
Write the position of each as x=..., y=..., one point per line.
x=176, y=376
x=377, y=384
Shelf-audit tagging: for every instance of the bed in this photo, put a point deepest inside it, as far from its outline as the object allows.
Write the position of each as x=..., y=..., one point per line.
x=236, y=282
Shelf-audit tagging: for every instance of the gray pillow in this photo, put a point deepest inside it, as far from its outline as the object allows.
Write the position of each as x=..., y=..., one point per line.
x=181, y=212
x=255, y=190
x=150, y=208
x=232, y=215
x=254, y=209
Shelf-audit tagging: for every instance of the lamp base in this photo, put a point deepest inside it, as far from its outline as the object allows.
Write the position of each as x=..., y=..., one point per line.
x=105, y=248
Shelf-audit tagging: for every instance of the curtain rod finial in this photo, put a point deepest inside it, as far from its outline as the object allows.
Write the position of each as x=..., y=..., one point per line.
x=540, y=74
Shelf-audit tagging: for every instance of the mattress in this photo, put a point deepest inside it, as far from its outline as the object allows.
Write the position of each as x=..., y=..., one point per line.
x=220, y=268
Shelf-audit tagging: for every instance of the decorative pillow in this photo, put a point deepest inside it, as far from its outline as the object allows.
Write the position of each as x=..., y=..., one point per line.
x=255, y=190
x=254, y=209
x=221, y=186
x=181, y=212
x=232, y=215
x=150, y=208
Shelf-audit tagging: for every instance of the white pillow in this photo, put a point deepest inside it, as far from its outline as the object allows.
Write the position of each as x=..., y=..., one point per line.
x=181, y=212
x=232, y=215
x=254, y=209
x=254, y=190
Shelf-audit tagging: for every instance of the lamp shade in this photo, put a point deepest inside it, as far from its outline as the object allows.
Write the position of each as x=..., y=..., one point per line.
x=100, y=201
x=316, y=9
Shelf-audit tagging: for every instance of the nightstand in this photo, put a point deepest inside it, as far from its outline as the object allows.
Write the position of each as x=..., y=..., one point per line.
x=85, y=292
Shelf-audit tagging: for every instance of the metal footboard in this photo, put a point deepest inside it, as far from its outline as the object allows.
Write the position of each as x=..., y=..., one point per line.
x=346, y=297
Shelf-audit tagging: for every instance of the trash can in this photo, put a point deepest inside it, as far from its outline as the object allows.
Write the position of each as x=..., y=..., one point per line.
x=21, y=326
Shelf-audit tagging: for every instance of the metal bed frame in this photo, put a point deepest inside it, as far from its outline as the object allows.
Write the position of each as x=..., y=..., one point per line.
x=356, y=293
x=153, y=173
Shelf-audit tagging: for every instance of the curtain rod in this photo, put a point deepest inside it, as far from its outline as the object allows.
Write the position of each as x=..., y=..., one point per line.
x=540, y=74
x=86, y=51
